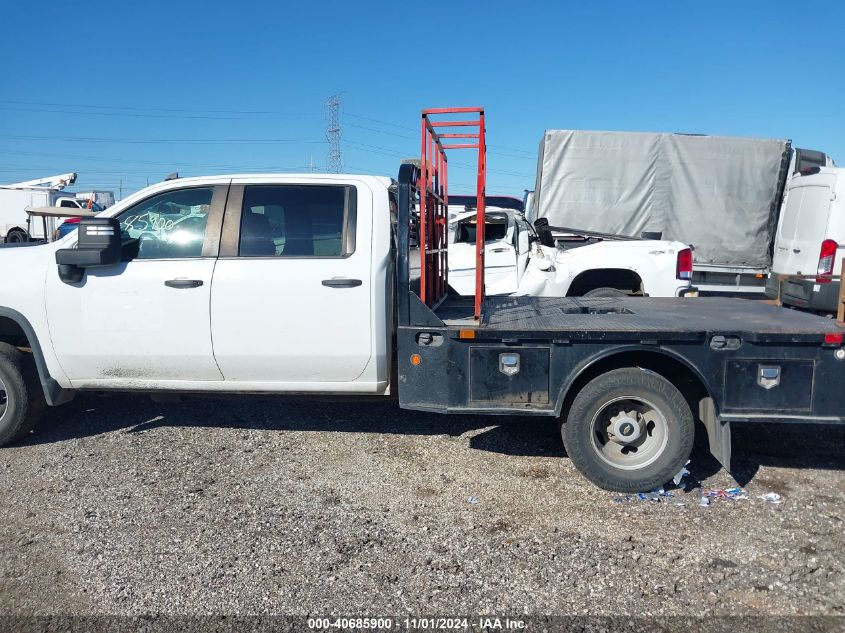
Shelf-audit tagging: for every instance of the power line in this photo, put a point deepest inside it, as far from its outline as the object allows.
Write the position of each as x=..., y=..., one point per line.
x=334, y=132
x=386, y=151
x=153, y=108
x=139, y=115
x=202, y=114
x=410, y=129
x=196, y=141
x=165, y=164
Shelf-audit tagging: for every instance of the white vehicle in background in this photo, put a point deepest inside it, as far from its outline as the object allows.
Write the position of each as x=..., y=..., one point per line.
x=104, y=199
x=16, y=226
x=568, y=265
x=810, y=239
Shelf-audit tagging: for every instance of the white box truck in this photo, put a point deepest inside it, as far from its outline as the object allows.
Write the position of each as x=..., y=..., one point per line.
x=16, y=225
x=721, y=194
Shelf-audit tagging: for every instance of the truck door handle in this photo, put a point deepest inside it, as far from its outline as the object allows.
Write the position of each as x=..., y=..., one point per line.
x=499, y=250
x=796, y=250
x=183, y=283
x=341, y=283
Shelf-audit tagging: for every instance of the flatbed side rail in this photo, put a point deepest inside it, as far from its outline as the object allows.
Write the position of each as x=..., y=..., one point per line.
x=434, y=198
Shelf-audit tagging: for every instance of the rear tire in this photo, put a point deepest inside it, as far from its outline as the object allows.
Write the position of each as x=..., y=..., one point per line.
x=606, y=292
x=22, y=401
x=16, y=236
x=629, y=430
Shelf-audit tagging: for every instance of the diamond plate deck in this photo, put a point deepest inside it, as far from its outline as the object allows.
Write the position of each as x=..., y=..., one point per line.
x=638, y=314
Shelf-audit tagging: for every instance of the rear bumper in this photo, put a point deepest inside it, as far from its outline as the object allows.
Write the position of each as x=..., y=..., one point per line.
x=805, y=293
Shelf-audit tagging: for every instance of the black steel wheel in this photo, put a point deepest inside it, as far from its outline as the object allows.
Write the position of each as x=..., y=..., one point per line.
x=629, y=430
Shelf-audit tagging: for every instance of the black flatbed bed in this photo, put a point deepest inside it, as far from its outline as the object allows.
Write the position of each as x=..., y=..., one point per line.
x=692, y=319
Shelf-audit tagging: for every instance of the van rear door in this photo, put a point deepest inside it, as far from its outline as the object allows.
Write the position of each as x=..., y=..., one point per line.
x=803, y=224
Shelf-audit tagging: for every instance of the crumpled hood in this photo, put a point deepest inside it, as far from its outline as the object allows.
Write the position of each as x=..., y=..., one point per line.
x=550, y=271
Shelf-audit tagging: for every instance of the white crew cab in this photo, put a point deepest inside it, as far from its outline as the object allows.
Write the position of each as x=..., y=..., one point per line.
x=240, y=285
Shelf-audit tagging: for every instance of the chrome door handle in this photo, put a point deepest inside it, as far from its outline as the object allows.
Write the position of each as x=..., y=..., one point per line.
x=342, y=283
x=183, y=283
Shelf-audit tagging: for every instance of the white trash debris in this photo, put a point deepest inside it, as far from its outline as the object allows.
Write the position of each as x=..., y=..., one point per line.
x=677, y=479
x=771, y=497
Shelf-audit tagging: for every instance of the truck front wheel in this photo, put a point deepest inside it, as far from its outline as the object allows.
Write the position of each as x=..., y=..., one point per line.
x=606, y=292
x=629, y=430
x=21, y=398
x=16, y=236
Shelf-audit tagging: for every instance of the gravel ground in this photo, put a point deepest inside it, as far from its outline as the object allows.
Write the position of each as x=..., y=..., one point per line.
x=121, y=505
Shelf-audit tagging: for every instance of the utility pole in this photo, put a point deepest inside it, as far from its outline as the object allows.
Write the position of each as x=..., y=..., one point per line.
x=120, y=190
x=334, y=160
x=312, y=166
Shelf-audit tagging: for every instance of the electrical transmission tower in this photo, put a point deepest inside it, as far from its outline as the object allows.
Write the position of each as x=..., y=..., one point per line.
x=334, y=160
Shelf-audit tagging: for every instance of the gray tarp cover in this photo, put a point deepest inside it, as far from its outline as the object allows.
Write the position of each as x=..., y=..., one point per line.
x=717, y=193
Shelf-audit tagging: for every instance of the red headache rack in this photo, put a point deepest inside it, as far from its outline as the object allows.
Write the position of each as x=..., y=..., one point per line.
x=434, y=199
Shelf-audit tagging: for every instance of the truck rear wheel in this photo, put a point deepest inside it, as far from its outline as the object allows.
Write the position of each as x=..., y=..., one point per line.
x=16, y=236
x=21, y=398
x=629, y=430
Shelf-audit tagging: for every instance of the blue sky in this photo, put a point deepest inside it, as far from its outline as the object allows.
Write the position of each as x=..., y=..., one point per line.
x=122, y=92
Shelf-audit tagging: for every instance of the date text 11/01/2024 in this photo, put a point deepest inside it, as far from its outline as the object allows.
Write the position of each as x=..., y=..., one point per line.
x=482, y=623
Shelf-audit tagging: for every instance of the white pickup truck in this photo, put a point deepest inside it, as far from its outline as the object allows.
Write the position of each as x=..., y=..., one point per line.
x=285, y=283
x=588, y=265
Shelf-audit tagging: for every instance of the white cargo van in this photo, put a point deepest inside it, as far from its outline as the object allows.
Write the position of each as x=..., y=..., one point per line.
x=810, y=239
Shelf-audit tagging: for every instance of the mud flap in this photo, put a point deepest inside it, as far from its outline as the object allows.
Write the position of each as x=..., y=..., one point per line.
x=718, y=432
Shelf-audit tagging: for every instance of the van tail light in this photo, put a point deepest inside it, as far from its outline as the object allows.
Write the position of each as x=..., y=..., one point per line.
x=833, y=338
x=684, y=266
x=826, y=256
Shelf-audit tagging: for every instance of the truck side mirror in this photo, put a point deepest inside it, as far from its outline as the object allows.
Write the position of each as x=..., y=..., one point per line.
x=99, y=244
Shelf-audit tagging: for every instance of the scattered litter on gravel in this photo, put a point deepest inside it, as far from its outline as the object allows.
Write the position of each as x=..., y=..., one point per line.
x=122, y=505
x=727, y=494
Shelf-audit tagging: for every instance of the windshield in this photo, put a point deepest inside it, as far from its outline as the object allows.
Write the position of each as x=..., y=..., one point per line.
x=495, y=228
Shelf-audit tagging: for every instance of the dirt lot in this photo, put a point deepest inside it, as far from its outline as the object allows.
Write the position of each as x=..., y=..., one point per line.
x=124, y=506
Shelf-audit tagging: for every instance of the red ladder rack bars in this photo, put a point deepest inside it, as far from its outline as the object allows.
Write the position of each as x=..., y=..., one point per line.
x=434, y=200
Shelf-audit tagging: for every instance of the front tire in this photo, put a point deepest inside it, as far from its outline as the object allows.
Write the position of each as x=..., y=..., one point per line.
x=21, y=398
x=16, y=236
x=629, y=430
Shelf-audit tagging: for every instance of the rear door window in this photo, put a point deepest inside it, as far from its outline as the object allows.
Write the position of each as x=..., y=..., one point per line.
x=791, y=213
x=297, y=221
x=814, y=209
